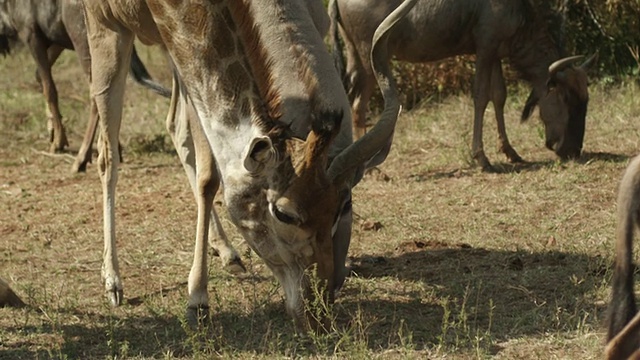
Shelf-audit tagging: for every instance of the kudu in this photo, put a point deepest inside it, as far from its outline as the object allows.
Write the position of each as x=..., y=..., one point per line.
x=624, y=320
x=527, y=32
x=48, y=27
x=256, y=104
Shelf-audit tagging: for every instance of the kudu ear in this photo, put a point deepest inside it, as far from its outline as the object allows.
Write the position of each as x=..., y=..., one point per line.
x=259, y=154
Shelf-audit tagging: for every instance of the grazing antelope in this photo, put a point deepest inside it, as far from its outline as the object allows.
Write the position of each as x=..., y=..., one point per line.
x=257, y=105
x=527, y=32
x=624, y=320
x=48, y=27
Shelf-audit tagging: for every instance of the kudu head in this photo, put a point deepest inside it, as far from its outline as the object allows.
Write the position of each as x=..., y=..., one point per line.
x=563, y=106
x=297, y=203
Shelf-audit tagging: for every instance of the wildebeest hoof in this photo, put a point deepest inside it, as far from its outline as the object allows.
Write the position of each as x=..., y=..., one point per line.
x=482, y=161
x=197, y=316
x=79, y=167
x=115, y=297
x=513, y=156
x=235, y=266
x=58, y=141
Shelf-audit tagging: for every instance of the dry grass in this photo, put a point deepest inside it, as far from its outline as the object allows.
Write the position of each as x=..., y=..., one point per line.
x=512, y=265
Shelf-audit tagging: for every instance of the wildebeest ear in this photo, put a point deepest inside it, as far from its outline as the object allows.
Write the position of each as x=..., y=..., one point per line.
x=259, y=154
x=532, y=101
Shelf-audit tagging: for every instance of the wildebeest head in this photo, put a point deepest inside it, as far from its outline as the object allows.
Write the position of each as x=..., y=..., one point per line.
x=563, y=107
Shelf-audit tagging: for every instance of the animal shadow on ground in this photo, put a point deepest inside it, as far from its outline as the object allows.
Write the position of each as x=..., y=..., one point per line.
x=476, y=292
x=527, y=166
x=589, y=157
x=497, y=168
x=142, y=335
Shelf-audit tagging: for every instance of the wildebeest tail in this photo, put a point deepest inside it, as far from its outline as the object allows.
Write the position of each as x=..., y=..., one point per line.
x=140, y=74
x=334, y=39
x=623, y=303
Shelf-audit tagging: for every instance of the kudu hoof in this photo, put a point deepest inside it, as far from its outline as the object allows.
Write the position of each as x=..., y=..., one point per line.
x=235, y=266
x=115, y=297
x=197, y=316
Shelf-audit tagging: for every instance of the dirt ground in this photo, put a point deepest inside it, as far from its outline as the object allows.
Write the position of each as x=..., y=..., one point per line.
x=448, y=262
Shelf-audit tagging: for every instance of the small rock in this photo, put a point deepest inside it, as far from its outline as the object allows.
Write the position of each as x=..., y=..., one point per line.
x=369, y=225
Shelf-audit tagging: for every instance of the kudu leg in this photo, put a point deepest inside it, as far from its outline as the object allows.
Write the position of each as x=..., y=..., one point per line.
x=111, y=52
x=38, y=50
x=499, y=98
x=85, y=152
x=206, y=188
x=181, y=135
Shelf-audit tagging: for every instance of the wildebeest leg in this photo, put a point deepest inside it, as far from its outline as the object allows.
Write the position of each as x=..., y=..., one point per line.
x=40, y=54
x=53, y=53
x=361, y=84
x=499, y=97
x=110, y=54
x=481, y=94
x=181, y=135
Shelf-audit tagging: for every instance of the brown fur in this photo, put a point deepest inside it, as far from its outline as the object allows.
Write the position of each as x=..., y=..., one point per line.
x=8, y=297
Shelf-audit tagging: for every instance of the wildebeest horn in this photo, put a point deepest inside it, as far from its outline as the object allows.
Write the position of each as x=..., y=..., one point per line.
x=589, y=62
x=562, y=64
x=344, y=165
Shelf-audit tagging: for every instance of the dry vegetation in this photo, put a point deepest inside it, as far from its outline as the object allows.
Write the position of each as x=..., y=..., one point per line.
x=448, y=262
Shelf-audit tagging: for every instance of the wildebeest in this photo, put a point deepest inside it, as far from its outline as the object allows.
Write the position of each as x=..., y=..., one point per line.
x=257, y=104
x=527, y=32
x=47, y=27
x=624, y=321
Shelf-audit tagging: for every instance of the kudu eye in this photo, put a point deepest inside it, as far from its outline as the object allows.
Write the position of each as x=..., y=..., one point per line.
x=283, y=216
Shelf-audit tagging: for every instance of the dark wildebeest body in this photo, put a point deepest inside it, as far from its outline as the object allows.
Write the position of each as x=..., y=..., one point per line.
x=48, y=27
x=525, y=31
x=624, y=321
